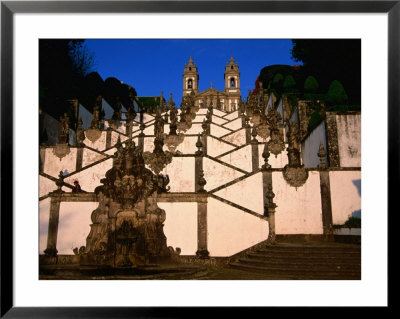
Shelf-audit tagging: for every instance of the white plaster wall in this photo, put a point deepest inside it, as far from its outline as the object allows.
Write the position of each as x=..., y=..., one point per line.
x=149, y=129
x=218, y=120
x=122, y=128
x=146, y=117
x=278, y=161
x=181, y=174
x=218, y=112
x=114, y=138
x=86, y=117
x=238, y=138
x=217, y=174
x=188, y=146
x=74, y=225
x=231, y=230
x=240, y=158
x=195, y=129
x=200, y=118
x=201, y=111
x=180, y=226
x=345, y=195
x=44, y=212
x=234, y=125
x=148, y=144
x=216, y=147
x=310, y=146
x=90, y=157
x=349, y=139
x=299, y=210
x=89, y=178
x=108, y=110
x=46, y=186
x=99, y=144
x=247, y=193
x=218, y=131
x=53, y=165
x=232, y=115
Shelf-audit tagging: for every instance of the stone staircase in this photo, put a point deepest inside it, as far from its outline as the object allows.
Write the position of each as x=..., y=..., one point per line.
x=305, y=261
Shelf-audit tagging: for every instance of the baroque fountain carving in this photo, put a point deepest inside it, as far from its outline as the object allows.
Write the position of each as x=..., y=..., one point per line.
x=127, y=226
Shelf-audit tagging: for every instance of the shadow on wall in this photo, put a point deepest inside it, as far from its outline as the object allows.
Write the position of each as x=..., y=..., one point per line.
x=356, y=214
x=357, y=184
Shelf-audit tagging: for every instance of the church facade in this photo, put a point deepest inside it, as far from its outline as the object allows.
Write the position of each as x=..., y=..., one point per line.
x=228, y=100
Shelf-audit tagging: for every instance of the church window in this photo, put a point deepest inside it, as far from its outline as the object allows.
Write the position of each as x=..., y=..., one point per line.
x=190, y=68
x=232, y=82
x=190, y=84
x=231, y=67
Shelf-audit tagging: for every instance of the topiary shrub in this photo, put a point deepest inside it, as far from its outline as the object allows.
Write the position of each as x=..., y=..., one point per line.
x=289, y=82
x=336, y=94
x=277, y=78
x=353, y=222
x=311, y=84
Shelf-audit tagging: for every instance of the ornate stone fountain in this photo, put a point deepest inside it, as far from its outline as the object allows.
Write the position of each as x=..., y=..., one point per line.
x=127, y=226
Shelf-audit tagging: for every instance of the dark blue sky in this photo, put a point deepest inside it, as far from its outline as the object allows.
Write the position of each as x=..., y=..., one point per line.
x=151, y=66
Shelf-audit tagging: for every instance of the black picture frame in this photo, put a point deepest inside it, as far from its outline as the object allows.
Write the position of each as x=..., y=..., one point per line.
x=9, y=8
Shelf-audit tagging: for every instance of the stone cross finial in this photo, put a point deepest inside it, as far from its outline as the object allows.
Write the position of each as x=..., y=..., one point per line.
x=199, y=146
x=80, y=134
x=254, y=134
x=201, y=182
x=266, y=155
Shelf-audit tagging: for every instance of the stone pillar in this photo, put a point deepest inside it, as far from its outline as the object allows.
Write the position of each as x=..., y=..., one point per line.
x=271, y=222
x=141, y=141
x=42, y=158
x=79, y=158
x=198, y=166
x=254, y=157
x=51, y=249
x=248, y=134
x=327, y=222
x=204, y=141
x=254, y=151
x=332, y=140
x=202, y=249
x=271, y=206
x=108, y=137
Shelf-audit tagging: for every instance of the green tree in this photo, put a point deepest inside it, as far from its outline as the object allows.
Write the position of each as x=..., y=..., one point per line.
x=330, y=59
x=336, y=94
x=62, y=66
x=311, y=84
x=289, y=82
x=277, y=78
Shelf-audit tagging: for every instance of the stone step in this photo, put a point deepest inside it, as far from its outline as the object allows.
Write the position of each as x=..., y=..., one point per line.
x=306, y=257
x=299, y=252
x=306, y=274
x=299, y=265
x=333, y=249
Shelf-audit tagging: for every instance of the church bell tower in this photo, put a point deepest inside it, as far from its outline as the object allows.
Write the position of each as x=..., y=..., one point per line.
x=190, y=78
x=232, y=85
